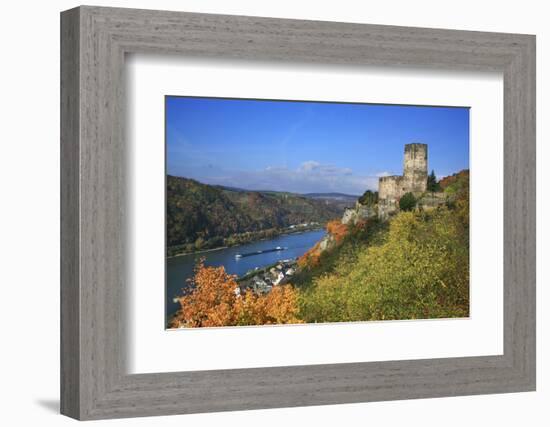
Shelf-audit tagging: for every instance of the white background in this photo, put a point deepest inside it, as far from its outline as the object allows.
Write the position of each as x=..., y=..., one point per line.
x=29, y=214
x=152, y=348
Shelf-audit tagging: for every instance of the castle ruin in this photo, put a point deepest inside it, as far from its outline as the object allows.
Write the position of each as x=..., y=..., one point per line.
x=414, y=179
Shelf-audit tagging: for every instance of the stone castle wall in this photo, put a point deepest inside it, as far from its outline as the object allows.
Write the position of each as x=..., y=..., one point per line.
x=358, y=213
x=389, y=187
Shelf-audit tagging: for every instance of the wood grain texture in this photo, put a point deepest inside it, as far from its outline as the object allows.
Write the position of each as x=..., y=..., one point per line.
x=94, y=272
x=70, y=314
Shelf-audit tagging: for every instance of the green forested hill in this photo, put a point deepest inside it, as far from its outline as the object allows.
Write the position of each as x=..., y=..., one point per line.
x=200, y=216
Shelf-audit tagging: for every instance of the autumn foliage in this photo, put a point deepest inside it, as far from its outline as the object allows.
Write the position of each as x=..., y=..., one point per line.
x=310, y=258
x=448, y=181
x=337, y=232
x=213, y=299
x=278, y=306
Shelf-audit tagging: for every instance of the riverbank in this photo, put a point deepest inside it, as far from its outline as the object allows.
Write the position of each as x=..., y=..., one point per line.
x=284, y=232
x=197, y=252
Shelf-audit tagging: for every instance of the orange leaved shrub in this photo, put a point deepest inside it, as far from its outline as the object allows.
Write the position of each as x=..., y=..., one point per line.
x=312, y=257
x=337, y=230
x=278, y=306
x=213, y=300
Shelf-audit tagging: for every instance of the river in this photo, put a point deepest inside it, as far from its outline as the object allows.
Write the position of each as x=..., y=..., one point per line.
x=180, y=268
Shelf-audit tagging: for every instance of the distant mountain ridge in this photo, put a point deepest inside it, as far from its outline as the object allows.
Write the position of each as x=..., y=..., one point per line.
x=341, y=200
x=327, y=196
x=335, y=196
x=208, y=216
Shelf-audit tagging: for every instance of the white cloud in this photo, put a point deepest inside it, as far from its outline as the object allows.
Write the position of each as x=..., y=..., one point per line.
x=310, y=165
x=310, y=177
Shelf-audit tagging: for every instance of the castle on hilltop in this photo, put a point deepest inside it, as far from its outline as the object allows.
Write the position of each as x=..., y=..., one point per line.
x=391, y=188
x=414, y=179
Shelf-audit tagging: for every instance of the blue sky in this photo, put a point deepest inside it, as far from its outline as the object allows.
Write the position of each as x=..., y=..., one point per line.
x=306, y=147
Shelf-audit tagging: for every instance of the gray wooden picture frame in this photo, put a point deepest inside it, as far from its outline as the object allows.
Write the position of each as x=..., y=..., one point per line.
x=94, y=382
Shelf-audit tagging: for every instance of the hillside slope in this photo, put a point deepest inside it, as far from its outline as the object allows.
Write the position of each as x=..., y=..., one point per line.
x=207, y=216
x=414, y=265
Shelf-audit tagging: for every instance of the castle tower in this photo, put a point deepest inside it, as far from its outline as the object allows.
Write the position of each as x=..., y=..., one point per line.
x=414, y=179
x=415, y=168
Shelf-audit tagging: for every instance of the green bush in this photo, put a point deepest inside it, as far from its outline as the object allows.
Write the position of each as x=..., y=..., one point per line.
x=407, y=202
x=433, y=186
x=369, y=198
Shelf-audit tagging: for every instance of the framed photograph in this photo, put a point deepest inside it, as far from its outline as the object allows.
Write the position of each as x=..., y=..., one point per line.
x=269, y=222
x=350, y=209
